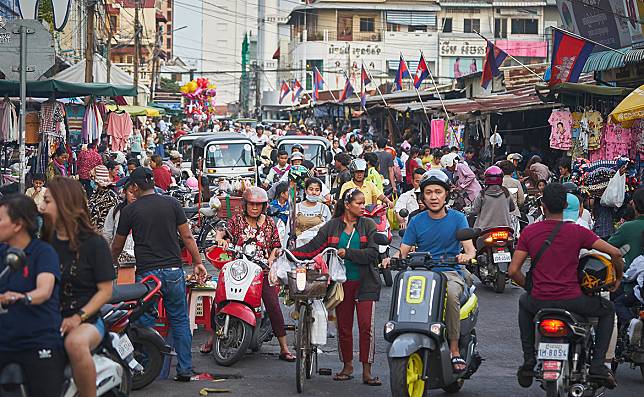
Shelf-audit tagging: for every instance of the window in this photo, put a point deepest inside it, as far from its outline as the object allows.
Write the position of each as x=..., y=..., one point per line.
x=500, y=28
x=447, y=25
x=393, y=27
x=471, y=25
x=169, y=15
x=525, y=26
x=114, y=24
x=169, y=4
x=130, y=59
x=367, y=24
x=168, y=42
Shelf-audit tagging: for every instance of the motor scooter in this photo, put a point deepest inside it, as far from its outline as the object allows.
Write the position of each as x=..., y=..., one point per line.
x=239, y=319
x=378, y=213
x=419, y=354
x=114, y=358
x=494, y=247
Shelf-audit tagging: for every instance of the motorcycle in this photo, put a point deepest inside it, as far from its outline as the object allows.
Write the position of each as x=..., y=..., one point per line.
x=239, y=319
x=494, y=247
x=564, y=342
x=630, y=342
x=530, y=211
x=128, y=303
x=419, y=355
x=114, y=358
x=378, y=213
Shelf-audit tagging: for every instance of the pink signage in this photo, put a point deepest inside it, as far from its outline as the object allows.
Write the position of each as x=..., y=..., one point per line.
x=520, y=48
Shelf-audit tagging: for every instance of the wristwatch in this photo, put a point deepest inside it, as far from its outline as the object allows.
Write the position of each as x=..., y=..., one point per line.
x=28, y=299
x=83, y=316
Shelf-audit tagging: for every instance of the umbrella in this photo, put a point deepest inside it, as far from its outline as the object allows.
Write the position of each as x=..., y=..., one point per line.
x=631, y=108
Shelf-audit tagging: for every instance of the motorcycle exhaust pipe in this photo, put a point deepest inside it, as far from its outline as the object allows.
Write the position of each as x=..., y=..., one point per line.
x=577, y=390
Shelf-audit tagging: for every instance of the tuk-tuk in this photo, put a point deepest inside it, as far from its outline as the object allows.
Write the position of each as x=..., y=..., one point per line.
x=316, y=149
x=184, y=147
x=225, y=155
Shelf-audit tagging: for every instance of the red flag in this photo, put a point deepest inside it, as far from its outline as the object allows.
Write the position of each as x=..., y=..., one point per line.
x=422, y=72
x=569, y=54
x=402, y=72
x=284, y=90
x=494, y=57
x=297, y=90
x=347, y=91
x=318, y=83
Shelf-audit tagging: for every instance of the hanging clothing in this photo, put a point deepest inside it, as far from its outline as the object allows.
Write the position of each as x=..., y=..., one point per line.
x=52, y=117
x=561, y=135
x=75, y=116
x=593, y=122
x=8, y=122
x=576, y=124
x=92, y=124
x=618, y=140
x=119, y=127
x=32, y=126
x=437, y=138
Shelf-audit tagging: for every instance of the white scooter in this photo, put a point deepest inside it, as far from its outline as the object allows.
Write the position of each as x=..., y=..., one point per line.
x=114, y=359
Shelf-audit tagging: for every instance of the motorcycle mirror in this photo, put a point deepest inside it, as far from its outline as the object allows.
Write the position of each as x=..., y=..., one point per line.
x=403, y=213
x=16, y=259
x=381, y=239
x=401, y=232
x=272, y=212
x=467, y=234
x=329, y=157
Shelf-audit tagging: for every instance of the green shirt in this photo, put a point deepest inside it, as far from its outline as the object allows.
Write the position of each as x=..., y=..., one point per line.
x=353, y=271
x=629, y=233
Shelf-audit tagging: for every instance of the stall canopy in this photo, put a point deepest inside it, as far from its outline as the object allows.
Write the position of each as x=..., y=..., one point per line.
x=631, y=108
x=138, y=110
x=52, y=88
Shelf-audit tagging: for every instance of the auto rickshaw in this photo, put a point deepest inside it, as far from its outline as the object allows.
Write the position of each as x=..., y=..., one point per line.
x=226, y=156
x=316, y=149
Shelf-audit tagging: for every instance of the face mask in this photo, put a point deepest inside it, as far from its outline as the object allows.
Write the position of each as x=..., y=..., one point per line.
x=315, y=199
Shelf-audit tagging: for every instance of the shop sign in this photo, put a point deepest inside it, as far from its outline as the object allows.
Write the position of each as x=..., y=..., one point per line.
x=462, y=48
x=355, y=50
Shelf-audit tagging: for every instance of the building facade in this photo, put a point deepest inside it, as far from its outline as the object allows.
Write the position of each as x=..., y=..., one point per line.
x=9, y=9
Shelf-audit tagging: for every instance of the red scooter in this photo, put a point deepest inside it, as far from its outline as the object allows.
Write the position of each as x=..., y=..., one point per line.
x=378, y=213
x=239, y=319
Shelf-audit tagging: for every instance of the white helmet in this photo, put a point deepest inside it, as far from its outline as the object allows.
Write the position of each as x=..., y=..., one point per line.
x=449, y=160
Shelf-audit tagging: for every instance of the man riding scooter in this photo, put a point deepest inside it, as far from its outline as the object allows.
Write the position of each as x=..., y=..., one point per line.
x=434, y=231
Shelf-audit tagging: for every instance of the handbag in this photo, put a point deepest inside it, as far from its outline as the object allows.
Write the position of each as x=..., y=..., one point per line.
x=391, y=214
x=334, y=296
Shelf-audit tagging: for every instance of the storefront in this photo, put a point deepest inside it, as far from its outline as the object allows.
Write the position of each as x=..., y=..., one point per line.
x=460, y=57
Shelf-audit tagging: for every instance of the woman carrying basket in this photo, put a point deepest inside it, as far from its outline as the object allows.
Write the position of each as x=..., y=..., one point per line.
x=353, y=236
x=253, y=224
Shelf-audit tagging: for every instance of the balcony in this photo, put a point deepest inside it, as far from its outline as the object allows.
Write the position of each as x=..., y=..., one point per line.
x=332, y=35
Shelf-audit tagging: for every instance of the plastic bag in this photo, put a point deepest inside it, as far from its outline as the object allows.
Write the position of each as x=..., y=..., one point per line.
x=279, y=271
x=615, y=191
x=319, y=326
x=337, y=270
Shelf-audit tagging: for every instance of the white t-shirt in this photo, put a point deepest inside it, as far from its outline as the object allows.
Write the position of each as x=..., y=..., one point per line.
x=319, y=209
x=407, y=201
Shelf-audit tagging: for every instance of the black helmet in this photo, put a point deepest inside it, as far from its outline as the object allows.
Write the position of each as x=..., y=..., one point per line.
x=434, y=177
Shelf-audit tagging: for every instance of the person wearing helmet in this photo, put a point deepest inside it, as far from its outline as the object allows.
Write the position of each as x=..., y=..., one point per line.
x=513, y=186
x=515, y=159
x=554, y=280
x=254, y=225
x=342, y=162
x=434, y=231
x=463, y=176
x=494, y=204
x=174, y=164
x=372, y=194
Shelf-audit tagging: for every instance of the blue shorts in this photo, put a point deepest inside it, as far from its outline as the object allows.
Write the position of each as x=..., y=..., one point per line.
x=100, y=326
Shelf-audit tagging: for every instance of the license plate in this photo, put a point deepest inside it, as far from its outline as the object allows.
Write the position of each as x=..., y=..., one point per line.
x=552, y=351
x=502, y=257
x=124, y=347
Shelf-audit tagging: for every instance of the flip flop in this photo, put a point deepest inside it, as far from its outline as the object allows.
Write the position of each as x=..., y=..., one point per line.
x=206, y=348
x=458, y=361
x=288, y=357
x=342, y=377
x=372, y=382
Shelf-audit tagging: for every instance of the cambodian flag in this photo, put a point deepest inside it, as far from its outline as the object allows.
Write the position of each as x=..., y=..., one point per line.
x=318, y=83
x=364, y=77
x=297, y=90
x=569, y=54
x=402, y=72
x=422, y=72
x=494, y=57
x=347, y=91
x=284, y=90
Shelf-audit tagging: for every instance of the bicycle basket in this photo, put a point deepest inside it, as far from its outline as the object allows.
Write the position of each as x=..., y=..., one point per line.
x=315, y=288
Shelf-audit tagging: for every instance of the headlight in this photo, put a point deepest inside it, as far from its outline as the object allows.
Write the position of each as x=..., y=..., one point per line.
x=435, y=329
x=238, y=270
x=250, y=250
x=389, y=327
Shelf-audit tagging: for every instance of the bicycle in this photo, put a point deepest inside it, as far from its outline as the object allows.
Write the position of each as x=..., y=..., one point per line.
x=305, y=285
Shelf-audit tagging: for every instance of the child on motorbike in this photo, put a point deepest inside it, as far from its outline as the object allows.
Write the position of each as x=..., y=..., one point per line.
x=31, y=297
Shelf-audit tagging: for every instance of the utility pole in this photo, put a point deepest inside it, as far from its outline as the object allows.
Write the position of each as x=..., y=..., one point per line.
x=89, y=45
x=137, y=47
x=258, y=105
x=155, y=61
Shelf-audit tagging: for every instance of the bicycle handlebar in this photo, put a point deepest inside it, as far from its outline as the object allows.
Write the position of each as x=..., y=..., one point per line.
x=292, y=257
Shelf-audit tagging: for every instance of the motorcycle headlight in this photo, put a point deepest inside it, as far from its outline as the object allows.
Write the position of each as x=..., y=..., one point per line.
x=238, y=270
x=250, y=250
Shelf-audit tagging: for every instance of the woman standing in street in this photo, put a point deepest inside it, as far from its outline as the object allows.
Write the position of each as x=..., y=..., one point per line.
x=353, y=236
x=86, y=275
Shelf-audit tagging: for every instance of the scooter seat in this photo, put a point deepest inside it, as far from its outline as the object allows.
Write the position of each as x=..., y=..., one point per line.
x=12, y=374
x=190, y=211
x=128, y=292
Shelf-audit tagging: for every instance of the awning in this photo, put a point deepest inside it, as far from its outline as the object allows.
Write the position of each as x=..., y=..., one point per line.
x=138, y=110
x=604, y=60
x=60, y=89
x=631, y=108
x=634, y=56
x=587, y=89
x=412, y=18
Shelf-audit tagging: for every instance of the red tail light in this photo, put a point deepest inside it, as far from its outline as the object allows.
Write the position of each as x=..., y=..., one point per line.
x=553, y=327
x=500, y=235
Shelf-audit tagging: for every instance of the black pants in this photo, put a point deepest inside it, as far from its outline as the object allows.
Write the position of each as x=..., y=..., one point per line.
x=589, y=306
x=43, y=368
x=623, y=307
x=87, y=184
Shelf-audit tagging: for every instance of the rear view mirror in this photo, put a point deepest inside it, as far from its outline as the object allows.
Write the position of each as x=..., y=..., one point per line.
x=403, y=213
x=16, y=259
x=467, y=234
x=401, y=233
x=381, y=239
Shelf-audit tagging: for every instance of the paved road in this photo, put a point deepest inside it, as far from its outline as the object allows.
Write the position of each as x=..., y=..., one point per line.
x=263, y=375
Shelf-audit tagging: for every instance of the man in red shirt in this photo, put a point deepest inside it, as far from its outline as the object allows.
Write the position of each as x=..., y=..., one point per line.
x=555, y=281
x=162, y=175
x=88, y=159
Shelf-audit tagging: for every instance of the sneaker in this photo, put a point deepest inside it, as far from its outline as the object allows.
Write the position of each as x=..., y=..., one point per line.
x=182, y=378
x=525, y=374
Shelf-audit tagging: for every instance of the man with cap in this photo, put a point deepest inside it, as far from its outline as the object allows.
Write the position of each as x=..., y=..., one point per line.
x=174, y=164
x=157, y=251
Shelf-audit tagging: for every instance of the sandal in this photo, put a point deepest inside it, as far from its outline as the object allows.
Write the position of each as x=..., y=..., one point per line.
x=372, y=382
x=340, y=377
x=206, y=348
x=458, y=362
x=288, y=357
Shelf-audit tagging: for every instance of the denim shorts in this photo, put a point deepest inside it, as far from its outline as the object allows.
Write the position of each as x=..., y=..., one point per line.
x=100, y=326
